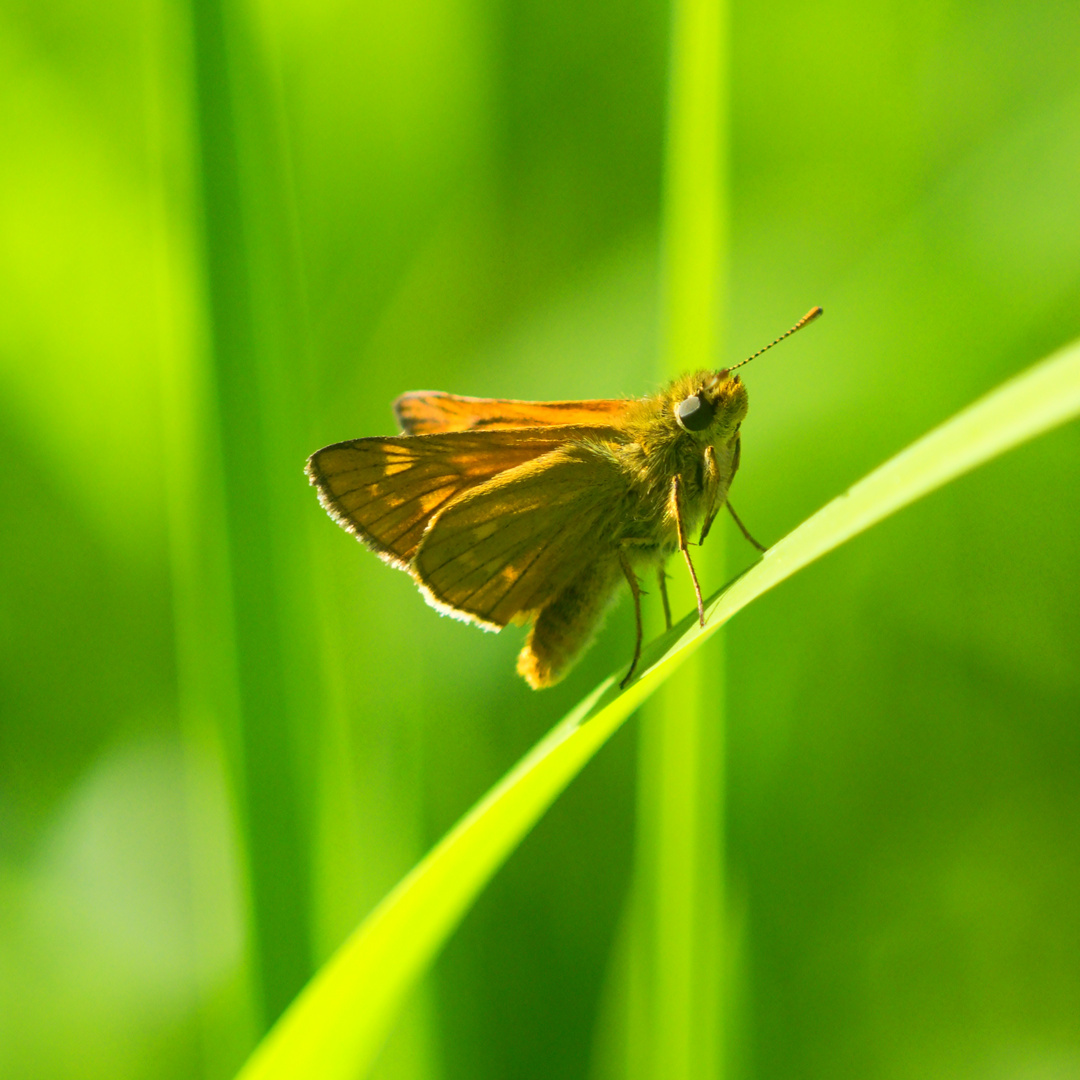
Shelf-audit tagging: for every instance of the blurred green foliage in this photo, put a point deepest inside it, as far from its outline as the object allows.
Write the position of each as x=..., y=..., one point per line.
x=227, y=731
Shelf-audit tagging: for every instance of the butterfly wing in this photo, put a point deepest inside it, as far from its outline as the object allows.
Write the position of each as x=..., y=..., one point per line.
x=503, y=550
x=425, y=412
x=385, y=491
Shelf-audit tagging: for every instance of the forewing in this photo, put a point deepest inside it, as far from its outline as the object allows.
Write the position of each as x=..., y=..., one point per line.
x=385, y=491
x=425, y=412
x=505, y=549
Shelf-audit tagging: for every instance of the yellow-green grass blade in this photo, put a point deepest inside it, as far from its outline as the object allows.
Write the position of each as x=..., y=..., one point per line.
x=673, y=1029
x=335, y=1027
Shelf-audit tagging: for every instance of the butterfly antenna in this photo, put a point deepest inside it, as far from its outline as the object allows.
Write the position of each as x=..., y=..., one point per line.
x=809, y=317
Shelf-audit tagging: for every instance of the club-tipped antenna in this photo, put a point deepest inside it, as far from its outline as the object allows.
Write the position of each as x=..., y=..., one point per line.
x=809, y=317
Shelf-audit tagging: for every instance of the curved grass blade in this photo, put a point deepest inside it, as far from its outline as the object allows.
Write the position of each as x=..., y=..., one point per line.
x=336, y=1026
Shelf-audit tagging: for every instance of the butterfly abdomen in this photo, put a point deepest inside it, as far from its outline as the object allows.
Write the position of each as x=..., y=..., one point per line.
x=566, y=626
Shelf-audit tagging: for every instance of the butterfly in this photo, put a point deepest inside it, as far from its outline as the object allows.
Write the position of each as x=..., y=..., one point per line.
x=534, y=512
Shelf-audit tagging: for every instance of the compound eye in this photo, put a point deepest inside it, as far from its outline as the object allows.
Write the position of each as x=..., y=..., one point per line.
x=695, y=413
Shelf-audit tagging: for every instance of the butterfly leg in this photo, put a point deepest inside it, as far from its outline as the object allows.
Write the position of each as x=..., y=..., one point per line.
x=635, y=591
x=712, y=484
x=745, y=531
x=661, y=576
x=684, y=545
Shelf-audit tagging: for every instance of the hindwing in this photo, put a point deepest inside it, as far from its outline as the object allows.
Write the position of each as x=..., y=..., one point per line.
x=501, y=551
x=386, y=491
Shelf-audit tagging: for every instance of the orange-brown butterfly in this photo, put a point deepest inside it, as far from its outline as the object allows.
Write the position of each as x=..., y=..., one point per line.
x=533, y=511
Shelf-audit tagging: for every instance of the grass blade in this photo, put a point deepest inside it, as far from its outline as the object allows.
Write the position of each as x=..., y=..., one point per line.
x=336, y=1026
x=673, y=1028
x=257, y=351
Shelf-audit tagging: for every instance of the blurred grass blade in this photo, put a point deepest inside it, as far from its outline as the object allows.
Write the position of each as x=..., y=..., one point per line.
x=674, y=1029
x=335, y=1027
x=258, y=360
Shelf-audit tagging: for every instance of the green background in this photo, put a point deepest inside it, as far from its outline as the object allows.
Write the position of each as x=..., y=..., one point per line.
x=233, y=235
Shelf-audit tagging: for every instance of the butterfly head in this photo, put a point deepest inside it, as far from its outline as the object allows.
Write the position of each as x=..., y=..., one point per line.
x=718, y=405
x=715, y=409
